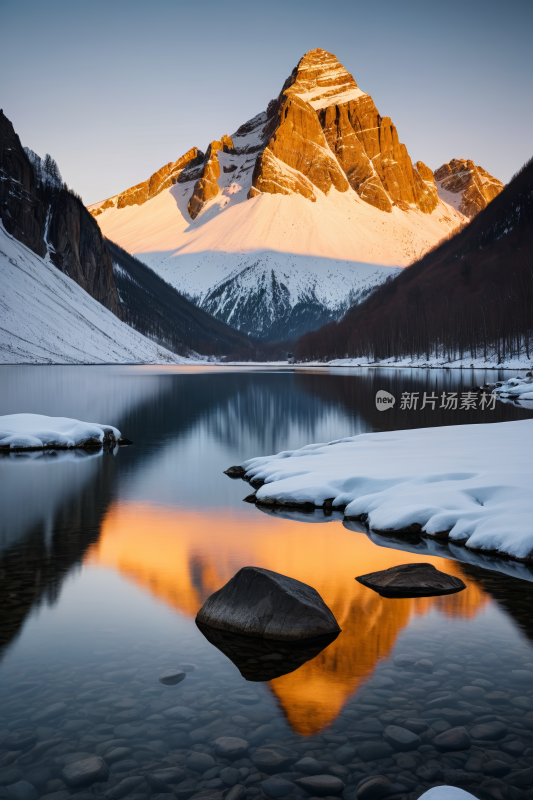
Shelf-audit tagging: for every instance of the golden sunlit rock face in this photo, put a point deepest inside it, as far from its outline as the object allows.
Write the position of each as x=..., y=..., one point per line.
x=183, y=556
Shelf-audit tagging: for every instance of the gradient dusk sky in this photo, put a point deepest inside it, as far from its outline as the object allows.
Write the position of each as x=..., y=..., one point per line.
x=115, y=89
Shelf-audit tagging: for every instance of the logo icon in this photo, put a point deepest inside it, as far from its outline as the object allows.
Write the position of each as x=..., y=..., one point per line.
x=384, y=400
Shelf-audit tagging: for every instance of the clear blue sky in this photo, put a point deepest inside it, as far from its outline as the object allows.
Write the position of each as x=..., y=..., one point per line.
x=115, y=89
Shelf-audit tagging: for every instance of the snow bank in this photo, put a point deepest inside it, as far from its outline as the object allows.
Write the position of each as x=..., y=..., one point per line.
x=470, y=484
x=435, y=362
x=36, y=432
x=516, y=389
x=46, y=318
x=446, y=793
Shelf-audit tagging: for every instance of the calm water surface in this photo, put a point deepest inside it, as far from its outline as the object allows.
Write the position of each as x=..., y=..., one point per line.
x=106, y=559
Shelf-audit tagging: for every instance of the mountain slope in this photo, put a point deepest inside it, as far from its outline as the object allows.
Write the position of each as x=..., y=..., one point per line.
x=40, y=212
x=307, y=207
x=466, y=187
x=473, y=295
x=157, y=310
x=47, y=318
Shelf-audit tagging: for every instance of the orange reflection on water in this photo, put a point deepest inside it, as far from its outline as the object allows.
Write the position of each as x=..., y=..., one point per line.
x=183, y=556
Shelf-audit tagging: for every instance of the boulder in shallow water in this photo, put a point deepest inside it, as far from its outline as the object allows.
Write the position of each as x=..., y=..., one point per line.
x=263, y=659
x=235, y=472
x=259, y=602
x=411, y=580
x=85, y=772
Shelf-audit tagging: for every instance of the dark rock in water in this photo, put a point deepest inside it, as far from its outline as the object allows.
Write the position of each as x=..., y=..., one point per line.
x=264, y=659
x=50, y=712
x=401, y=739
x=84, y=772
x=235, y=472
x=10, y=775
x=262, y=733
x=402, y=659
x=19, y=740
x=123, y=442
x=124, y=788
x=522, y=676
x=456, y=716
x=273, y=758
x=424, y=665
x=454, y=739
x=250, y=498
x=200, y=762
x=262, y=603
x=170, y=775
x=172, y=677
x=309, y=766
x=521, y=777
x=321, y=785
x=370, y=751
x=230, y=747
x=493, y=789
x=496, y=768
x=447, y=700
x=374, y=789
x=236, y=792
x=344, y=754
x=277, y=787
x=491, y=731
x=415, y=725
x=156, y=783
x=186, y=789
x=123, y=766
x=411, y=580
x=430, y=774
x=230, y=776
x=22, y=790
x=246, y=697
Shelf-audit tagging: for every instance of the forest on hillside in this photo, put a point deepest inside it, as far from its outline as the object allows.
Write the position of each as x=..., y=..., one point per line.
x=470, y=296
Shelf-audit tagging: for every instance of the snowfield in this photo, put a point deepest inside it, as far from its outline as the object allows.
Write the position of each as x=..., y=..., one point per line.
x=469, y=484
x=37, y=432
x=46, y=318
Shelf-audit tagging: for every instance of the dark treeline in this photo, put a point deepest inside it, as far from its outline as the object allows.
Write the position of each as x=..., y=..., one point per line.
x=160, y=312
x=470, y=297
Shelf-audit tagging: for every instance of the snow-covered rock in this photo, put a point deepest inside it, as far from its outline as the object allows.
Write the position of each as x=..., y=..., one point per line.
x=467, y=484
x=37, y=432
x=516, y=388
x=46, y=318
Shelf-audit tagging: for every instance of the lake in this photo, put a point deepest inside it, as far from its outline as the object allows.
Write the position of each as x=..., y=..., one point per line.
x=105, y=560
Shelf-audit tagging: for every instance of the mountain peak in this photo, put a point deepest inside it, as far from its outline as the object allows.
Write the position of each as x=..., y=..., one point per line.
x=321, y=80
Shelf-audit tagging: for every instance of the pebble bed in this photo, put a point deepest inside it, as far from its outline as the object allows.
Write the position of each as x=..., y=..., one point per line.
x=448, y=709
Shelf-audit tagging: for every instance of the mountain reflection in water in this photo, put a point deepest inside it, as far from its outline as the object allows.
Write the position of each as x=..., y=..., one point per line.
x=182, y=556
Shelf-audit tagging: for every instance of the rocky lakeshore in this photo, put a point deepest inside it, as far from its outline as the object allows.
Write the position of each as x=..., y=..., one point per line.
x=449, y=709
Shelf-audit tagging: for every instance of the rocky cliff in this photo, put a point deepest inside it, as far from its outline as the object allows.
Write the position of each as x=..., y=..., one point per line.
x=49, y=219
x=165, y=177
x=206, y=187
x=20, y=208
x=468, y=187
x=325, y=127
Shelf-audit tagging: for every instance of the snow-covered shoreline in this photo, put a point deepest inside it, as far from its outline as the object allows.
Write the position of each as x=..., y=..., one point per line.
x=522, y=363
x=20, y=432
x=468, y=484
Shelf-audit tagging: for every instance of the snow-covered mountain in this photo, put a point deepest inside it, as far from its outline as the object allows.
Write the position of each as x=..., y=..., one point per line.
x=302, y=211
x=47, y=318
